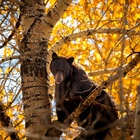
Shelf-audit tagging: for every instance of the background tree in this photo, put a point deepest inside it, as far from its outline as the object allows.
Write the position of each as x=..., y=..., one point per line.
x=103, y=36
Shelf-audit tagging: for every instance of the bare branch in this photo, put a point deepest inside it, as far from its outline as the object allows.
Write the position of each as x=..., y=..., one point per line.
x=124, y=70
x=15, y=97
x=22, y=56
x=9, y=58
x=71, y=37
x=6, y=78
x=13, y=33
x=97, y=72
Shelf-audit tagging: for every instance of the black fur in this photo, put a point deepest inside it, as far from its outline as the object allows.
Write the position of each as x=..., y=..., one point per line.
x=71, y=82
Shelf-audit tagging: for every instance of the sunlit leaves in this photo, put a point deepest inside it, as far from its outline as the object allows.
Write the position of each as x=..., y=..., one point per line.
x=102, y=51
x=97, y=52
x=9, y=71
x=7, y=52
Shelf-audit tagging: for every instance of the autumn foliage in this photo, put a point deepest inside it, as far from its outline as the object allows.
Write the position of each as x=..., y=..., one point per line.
x=101, y=35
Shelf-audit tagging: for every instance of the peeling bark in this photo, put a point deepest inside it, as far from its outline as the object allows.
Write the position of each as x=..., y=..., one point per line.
x=33, y=72
x=35, y=94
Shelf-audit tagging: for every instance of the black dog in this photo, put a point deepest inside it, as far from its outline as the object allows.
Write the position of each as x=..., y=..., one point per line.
x=72, y=81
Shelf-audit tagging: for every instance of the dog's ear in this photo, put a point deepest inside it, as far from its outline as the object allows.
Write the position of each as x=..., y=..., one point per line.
x=70, y=60
x=54, y=56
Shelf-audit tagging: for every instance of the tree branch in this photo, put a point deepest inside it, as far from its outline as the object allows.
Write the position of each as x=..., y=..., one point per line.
x=9, y=58
x=13, y=33
x=71, y=37
x=97, y=72
x=5, y=121
x=124, y=70
x=21, y=57
x=90, y=99
x=115, y=132
x=59, y=9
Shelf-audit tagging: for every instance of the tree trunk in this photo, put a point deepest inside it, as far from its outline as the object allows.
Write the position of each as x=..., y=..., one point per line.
x=37, y=27
x=33, y=48
x=35, y=94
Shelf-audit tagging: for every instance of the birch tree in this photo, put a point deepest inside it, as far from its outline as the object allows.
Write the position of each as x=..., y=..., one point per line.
x=103, y=36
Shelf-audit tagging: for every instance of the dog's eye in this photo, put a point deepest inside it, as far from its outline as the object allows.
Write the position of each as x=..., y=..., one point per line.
x=56, y=70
